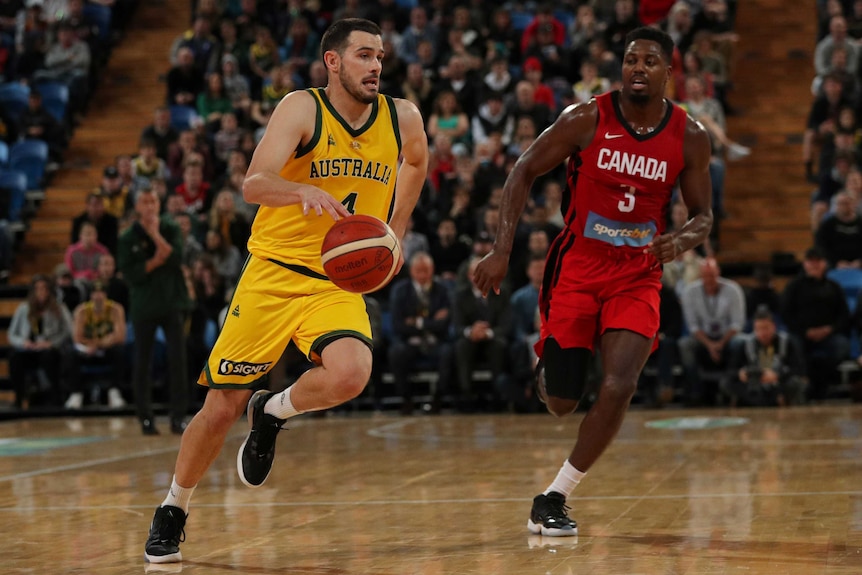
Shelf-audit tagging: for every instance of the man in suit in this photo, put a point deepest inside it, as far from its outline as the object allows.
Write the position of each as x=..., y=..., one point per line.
x=420, y=308
x=482, y=327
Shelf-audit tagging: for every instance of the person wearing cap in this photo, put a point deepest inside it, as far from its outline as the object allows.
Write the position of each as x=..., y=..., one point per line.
x=99, y=337
x=815, y=311
x=533, y=74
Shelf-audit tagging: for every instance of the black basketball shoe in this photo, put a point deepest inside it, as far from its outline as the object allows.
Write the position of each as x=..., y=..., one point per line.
x=166, y=533
x=254, y=460
x=550, y=517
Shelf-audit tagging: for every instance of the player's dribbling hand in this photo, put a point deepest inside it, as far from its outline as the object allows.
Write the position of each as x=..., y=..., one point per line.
x=317, y=201
x=665, y=248
x=490, y=272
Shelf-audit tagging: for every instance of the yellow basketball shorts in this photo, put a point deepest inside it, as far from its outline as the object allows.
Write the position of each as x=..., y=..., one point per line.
x=272, y=304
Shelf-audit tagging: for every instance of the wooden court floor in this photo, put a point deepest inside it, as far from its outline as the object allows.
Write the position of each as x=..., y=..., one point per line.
x=680, y=492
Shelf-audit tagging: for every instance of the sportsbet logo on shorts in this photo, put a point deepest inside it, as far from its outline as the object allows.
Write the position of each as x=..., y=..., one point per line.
x=619, y=233
x=241, y=368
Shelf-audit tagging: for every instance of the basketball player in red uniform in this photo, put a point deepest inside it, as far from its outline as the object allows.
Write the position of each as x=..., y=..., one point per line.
x=627, y=150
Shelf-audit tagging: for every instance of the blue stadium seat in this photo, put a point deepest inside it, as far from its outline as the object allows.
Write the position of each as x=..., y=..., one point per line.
x=30, y=157
x=101, y=17
x=182, y=116
x=849, y=279
x=520, y=20
x=55, y=98
x=4, y=153
x=15, y=183
x=407, y=4
x=13, y=97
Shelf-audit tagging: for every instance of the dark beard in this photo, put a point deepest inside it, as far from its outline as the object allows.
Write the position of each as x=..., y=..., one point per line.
x=638, y=99
x=354, y=90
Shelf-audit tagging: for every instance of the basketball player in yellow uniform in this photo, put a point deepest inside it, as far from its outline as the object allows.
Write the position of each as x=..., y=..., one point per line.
x=326, y=154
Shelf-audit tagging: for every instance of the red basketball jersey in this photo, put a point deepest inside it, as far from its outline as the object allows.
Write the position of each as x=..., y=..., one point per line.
x=621, y=183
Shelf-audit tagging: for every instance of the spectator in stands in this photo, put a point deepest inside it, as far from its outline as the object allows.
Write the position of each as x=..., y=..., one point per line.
x=115, y=287
x=831, y=182
x=208, y=298
x=192, y=248
x=68, y=61
x=590, y=84
x=519, y=270
x=301, y=46
x=40, y=329
x=82, y=257
x=838, y=69
x=37, y=123
x=525, y=105
x=161, y=132
x=231, y=49
x=503, y=38
x=680, y=25
x=200, y=41
x=227, y=137
x=194, y=191
x=115, y=196
x=449, y=119
x=766, y=368
x=533, y=74
x=236, y=85
x=623, y=21
x=558, y=66
x=840, y=235
x=147, y=165
x=482, y=328
x=421, y=316
x=213, y=101
x=150, y=256
x=584, y=29
x=670, y=331
x=225, y=218
x=99, y=338
x=457, y=77
x=837, y=37
x=418, y=88
x=106, y=224
x=814, y=308
x=448, y=251
x=413, y=241
x=123, y=163
x=822, y=122
x=714, y=312
x=543, y=20
x=68, y=292
x=420, y=30
x=185, y=81
x=525, y=303
x=31, y=40
x=189, y=149
x=225, y=257
x=262, y=58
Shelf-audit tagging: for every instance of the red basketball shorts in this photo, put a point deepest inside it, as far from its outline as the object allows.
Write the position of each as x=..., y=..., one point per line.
x=590, y=289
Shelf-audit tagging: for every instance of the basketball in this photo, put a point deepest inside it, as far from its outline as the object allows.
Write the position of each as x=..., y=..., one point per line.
x=359, y=253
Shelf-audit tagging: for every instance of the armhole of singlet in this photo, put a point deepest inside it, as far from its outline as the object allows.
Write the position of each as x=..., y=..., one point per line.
x=393, y=114
x=318, y=127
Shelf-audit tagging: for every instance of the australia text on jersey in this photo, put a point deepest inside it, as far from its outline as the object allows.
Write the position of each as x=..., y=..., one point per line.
x=350, y=167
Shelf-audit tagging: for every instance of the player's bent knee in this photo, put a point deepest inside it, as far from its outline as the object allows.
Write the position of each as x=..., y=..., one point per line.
x=619, y=389
x=223, y=407
x=349, y=367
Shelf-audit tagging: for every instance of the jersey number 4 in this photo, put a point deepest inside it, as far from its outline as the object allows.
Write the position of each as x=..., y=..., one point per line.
x=627, y=204
x=350, y=202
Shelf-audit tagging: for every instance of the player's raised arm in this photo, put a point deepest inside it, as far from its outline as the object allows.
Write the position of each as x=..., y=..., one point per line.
x=572, y=131
x=414, y=168
x=696, y=189
x=291, y=125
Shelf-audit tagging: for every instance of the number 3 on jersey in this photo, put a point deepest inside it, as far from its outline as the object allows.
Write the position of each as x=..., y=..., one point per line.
x=350, y=202
x=628, y=204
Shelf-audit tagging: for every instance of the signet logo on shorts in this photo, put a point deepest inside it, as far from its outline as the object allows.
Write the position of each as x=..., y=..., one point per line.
x=241, y=368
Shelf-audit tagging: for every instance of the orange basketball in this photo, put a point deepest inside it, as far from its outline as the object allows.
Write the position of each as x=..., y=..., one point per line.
x=359, y=253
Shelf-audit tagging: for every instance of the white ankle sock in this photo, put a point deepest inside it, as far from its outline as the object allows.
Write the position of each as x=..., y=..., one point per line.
x=567, y=479
x=179, y=496
x=280, y=405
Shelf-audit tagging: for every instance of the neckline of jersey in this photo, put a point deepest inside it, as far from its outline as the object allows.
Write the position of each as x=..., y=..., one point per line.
x=350, y=130
x=615, y=99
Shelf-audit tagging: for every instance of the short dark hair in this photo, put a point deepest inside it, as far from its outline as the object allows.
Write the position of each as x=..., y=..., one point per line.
x=763, y=312
x=661, y=38
x=335, y=37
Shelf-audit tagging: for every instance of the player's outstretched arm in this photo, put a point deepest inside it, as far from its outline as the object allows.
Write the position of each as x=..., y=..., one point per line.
x=291, y=124
x=696, y=190
x=572, y=131
x=414, y=167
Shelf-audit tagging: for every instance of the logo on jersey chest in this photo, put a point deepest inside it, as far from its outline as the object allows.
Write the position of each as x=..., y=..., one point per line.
x=632, y=165
x=616, y=233
x=350, y=167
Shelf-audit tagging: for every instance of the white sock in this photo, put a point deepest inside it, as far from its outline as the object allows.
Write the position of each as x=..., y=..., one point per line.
x=280, y=405
x=179, y=496
x=567, y=479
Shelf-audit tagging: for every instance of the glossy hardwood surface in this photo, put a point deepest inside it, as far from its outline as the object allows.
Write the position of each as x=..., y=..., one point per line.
x=380, y=495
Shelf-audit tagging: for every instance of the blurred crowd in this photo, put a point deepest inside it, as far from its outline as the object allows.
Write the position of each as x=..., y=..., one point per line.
x=488, y=80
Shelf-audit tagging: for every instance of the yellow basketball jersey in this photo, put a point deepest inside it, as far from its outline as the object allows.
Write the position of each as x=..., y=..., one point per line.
x=357, y=167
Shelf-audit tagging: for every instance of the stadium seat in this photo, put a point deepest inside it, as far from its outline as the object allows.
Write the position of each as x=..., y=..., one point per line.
x=55, y=98
x=13, y=98
x=849, y=279
x=30, y=157
x=4, y=154
x=520, y=20
x=15, y=183
x=182, y=116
